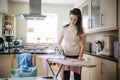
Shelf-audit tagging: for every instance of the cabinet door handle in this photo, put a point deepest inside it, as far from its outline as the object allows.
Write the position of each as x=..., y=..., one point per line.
x=89, y=23
x=102, y=19
x=101, y=68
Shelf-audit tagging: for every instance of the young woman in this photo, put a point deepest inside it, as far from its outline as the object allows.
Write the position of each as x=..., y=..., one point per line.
x=74, y=42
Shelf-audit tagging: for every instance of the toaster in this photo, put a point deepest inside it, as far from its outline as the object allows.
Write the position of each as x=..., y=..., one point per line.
x=88, y=47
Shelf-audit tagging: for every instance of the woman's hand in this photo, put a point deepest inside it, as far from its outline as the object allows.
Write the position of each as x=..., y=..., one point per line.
x=59, y=43
x=80, y=58
x=82, y=48
x=60, y=48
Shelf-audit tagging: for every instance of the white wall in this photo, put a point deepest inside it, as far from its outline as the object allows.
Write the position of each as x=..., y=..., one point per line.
x=17, y=8
x=79, y=2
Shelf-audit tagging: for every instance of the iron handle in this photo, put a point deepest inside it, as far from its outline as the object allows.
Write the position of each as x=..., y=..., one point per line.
x=101, y=68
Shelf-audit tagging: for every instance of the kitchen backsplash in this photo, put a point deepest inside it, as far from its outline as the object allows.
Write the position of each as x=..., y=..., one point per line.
x=96, y=36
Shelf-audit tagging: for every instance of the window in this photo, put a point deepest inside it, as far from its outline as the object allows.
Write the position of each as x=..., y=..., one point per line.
x=42, y=31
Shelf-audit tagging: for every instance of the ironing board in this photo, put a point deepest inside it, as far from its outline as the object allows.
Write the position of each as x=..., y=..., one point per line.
x=67, y=61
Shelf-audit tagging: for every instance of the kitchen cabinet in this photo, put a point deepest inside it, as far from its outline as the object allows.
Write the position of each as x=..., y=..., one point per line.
x=95, y=13
x=119, y=37
x=109, y=70
x=4, y=6
x=97, y=16
x=119, y=55
x=9, y=25
x=104, y=70
x=85, y=71
x=4, y=66
x=39, y=65
x=108, y=13
x=95, y=73
x=41, y=69
x=86, y=15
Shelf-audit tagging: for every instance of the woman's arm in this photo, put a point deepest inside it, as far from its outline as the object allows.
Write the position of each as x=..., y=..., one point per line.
x=82, y=48
x=60, y=42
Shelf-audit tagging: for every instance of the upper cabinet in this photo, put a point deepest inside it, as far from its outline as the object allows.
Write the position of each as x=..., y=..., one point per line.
x=9, y=25
x=4, y=6
x=108, y=13
x=86, y=14
x=97, y=16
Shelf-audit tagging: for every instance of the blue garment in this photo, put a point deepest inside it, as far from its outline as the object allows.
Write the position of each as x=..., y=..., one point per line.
x=24, y=61
x=61, y=54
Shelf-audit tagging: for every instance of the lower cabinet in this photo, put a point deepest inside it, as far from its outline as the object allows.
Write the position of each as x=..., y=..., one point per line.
x=104, y=70
x=109, y=70
x=39, y=65
x=95, y=72
x=85, y=75
x=43, y=68
x=4, y=66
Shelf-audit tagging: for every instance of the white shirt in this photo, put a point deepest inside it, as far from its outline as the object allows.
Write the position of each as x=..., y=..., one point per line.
x=71, y=40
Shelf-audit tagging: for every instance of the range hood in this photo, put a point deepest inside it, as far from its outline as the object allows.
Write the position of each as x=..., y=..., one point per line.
x=34, y=11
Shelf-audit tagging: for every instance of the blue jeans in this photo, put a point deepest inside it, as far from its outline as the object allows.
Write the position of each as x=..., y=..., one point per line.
x=67, y=73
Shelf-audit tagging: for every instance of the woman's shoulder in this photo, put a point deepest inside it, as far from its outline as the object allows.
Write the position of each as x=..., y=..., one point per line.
x=83, y=34
x=83, y=37
x=64, y=27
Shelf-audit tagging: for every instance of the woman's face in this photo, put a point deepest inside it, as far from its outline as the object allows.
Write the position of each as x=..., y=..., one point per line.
x=73, y=20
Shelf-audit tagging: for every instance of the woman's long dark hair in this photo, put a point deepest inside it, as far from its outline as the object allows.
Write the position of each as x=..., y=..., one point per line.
x=77, y=12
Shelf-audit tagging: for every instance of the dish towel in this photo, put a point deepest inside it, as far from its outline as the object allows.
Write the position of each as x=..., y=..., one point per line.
x=24, y=61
